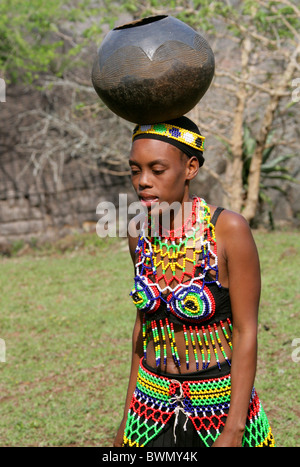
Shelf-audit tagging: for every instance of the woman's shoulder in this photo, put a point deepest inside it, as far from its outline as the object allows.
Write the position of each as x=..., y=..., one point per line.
x=228, y=219
x=233, y=232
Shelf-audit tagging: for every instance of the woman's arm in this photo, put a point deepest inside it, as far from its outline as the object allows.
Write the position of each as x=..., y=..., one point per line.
x=244, y=287
x=137, y=353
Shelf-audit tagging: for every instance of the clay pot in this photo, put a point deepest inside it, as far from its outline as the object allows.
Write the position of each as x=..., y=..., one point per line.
x=153, y=70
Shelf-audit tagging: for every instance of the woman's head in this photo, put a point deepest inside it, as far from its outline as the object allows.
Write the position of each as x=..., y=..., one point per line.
x=181, y=132
x=164, y=158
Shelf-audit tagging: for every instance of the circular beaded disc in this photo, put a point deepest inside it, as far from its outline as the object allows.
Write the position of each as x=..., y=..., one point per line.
x=144, y=296
x=194, y=304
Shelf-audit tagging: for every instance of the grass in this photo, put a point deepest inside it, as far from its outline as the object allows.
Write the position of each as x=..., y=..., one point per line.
x=66, y=319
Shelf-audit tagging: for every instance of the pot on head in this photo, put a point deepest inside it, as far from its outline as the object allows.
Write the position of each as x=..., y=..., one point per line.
x=153, y=70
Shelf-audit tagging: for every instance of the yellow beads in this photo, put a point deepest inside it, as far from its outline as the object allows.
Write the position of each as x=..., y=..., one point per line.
x=177, y=133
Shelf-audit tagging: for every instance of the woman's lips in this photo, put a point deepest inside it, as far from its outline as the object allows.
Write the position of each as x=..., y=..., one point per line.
x=147, y=200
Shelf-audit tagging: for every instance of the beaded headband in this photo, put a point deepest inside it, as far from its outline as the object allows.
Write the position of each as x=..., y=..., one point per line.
x=174, y=132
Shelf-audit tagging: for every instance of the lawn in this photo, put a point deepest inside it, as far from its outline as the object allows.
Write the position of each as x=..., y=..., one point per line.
x=66, y=319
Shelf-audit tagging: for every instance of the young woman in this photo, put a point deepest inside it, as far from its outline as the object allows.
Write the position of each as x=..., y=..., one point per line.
x=196, y=289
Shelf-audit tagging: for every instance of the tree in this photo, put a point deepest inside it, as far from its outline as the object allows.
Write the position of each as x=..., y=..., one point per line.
x=252, y=88
x=255, y=91
x=40, y=38
x=46, y=51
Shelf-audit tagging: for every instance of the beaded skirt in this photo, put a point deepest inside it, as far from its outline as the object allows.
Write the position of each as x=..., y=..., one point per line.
x=161, y=402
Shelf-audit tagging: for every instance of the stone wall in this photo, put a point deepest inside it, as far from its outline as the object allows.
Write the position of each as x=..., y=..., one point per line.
x=47, y=214
x=38, y=204
x=42, y=204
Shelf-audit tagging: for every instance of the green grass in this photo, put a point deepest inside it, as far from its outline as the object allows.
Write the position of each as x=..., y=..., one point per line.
x=66, y=319
x=277, y=378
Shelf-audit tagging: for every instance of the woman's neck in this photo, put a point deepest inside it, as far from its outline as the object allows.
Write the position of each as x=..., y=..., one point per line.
x=174, y=221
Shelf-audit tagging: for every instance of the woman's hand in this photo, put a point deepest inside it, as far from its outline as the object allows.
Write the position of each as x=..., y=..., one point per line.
x=137, y=353
x=118, y=441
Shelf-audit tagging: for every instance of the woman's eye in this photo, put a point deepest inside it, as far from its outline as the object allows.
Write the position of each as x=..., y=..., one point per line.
x=158, y=172
x=134, y=171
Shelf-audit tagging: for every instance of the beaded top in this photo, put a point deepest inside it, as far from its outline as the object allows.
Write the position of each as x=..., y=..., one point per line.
x=177, y=275
x=175, y=272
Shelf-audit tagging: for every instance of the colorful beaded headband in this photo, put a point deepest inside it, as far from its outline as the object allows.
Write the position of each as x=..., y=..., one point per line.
x=177, y=133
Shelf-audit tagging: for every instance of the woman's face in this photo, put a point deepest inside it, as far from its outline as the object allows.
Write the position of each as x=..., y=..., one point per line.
x=160, y=172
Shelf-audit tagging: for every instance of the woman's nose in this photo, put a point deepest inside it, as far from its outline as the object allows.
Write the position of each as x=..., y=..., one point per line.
x=145, y=180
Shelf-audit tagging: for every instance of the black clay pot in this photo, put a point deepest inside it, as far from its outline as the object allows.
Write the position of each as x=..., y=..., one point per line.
x=153, y=70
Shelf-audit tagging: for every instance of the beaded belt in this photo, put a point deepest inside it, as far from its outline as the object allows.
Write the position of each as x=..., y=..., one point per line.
x=157, y=398
x=204, y=401
x=198, y=394
x=192, y=398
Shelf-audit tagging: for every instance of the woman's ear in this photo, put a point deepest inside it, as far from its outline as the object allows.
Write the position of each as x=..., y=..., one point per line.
x=192, y=167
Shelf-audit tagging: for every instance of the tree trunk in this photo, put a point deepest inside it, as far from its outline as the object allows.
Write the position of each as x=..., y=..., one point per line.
x=234, y=169
x=255, y=167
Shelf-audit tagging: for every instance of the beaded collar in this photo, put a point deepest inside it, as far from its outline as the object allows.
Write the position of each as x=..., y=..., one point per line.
x=170, y=250
x=157, y=230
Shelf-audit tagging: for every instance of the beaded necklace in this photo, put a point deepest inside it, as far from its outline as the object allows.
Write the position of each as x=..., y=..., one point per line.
x=177, y=249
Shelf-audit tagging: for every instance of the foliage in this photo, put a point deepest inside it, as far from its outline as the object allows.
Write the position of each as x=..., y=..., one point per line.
x=33, y=33
x=34, y=38
x=272, y=169
x=273, y=18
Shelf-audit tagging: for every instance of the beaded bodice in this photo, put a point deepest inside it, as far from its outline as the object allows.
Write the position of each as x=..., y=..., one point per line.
x=176, y=279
